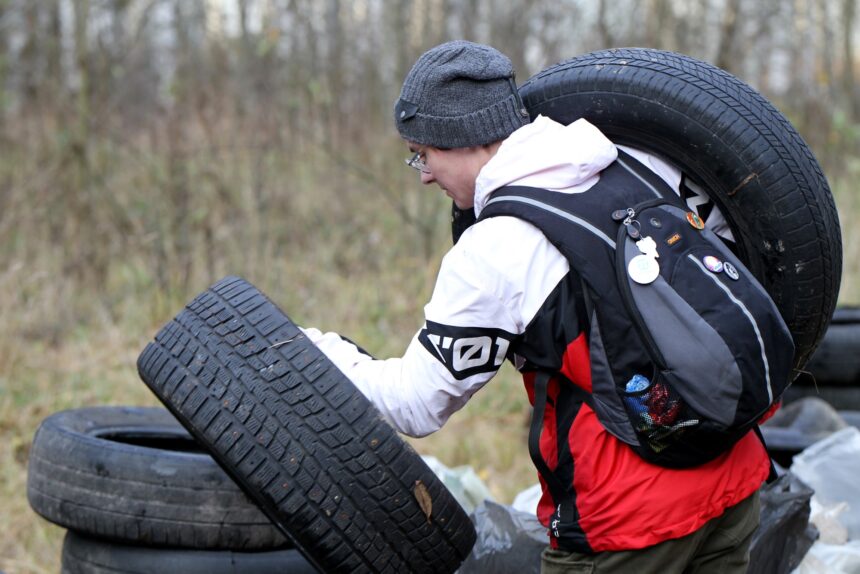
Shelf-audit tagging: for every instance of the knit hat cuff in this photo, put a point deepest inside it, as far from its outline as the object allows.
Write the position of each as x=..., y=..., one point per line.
x=487, y=125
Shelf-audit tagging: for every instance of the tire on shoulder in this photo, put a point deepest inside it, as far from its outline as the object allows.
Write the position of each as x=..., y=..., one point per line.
x=731, y=141
x=300, y=439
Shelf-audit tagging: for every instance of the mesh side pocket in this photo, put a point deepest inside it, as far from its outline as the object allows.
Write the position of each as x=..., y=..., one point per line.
x=658, y=414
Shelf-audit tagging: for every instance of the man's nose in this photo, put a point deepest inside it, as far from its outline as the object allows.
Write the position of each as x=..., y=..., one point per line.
x=427, y=177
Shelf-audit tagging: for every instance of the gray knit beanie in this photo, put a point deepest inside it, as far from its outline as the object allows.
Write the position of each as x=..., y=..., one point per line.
x=459, y=94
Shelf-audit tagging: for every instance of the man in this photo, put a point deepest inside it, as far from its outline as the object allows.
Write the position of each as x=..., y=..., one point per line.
x=504, y=291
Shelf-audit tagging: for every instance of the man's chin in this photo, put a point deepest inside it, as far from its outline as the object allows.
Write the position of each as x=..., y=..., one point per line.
x=467, y=204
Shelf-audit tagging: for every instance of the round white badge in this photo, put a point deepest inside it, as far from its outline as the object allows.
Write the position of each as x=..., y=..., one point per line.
x=731, y=271
x=713, y=264
x=643, y=269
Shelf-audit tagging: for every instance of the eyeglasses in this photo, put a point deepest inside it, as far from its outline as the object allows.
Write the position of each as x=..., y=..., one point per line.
x=417, y=162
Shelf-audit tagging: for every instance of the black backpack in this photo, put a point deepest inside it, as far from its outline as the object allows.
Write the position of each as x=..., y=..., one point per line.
x=687, y=349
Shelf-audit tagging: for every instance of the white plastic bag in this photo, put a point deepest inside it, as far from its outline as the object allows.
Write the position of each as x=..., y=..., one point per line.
x=831, y=559
x=527, y=500
x=831, y=467
x=466, y=486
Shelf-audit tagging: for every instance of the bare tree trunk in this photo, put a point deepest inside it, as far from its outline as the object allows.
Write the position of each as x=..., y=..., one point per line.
x=659, y=21
x=826, y=52
x=606, y=38
x=335, y=70
x=29, y=55
x=726, y=50
x=4, y=66
x=849, y=86
x=246, y=50
x=767, y=19
x=55, y=84
x=83, y=258
x=82, y=60
x=689, y=33
x=177, y=172
x=509, y=31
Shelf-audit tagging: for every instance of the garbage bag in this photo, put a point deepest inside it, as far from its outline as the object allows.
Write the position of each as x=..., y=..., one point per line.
x=831, y=466
x=784, y=535
x=797, y=425
x=463, y=482
x=810, y=416
x=831, y=559
x=509, y=541
x=527, y=500
x=826, y=519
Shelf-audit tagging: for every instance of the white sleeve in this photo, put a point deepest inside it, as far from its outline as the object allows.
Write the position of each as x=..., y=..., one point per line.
x=479, y=306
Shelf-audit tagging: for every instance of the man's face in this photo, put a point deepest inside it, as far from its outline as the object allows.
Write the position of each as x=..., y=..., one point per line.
x=453, y=170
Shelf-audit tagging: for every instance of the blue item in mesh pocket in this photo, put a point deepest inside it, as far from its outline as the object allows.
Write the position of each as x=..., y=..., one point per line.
x=635, y=396
x=637, y=383
x=714, y=347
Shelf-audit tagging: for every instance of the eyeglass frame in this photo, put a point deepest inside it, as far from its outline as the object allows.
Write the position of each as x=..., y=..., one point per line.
x=415, y=162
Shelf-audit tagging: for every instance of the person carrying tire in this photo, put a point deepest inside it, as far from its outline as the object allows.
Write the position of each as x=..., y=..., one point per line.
x=505, y=291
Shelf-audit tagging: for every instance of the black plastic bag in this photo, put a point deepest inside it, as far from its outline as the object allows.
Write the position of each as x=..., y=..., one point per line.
x=785, y=534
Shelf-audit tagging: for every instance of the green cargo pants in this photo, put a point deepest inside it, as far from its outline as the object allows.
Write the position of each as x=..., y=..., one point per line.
x=720, y=546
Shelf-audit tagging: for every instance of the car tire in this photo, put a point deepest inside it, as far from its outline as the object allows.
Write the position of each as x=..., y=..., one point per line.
x=85, y=555
x=134, y=474
x=836, y=361
x=300, y=439
x=733, y=143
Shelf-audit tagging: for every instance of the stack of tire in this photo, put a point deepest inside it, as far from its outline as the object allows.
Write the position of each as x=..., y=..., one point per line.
x=138, y=495
x=825, y=397
x=833, y=372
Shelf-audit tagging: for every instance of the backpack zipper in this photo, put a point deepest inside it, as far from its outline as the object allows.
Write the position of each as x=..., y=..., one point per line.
x=627, y=298
x=625, y=235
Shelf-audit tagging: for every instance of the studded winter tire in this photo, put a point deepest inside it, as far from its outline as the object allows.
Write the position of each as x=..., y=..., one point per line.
x=134, y=474
x=300, y=439
x=87, y=555
x=733, y=143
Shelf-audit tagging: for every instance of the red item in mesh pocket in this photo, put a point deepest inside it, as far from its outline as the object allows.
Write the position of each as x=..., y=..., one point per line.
x=663, y=408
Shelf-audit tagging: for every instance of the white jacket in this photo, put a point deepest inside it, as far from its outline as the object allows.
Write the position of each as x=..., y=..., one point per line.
x=490, y=284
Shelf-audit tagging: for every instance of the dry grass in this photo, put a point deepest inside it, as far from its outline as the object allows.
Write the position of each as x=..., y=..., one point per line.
x=316, y=234
x=326, y=244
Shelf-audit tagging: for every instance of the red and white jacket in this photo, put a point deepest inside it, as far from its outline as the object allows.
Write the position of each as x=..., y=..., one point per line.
x=504, y=291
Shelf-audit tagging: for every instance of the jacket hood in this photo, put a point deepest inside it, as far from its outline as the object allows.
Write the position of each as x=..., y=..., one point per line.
x=548, y=155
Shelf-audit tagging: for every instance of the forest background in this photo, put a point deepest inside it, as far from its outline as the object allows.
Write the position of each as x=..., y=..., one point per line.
x=150, y=147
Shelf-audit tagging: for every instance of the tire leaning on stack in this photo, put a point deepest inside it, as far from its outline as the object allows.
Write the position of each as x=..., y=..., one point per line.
x=300, y=439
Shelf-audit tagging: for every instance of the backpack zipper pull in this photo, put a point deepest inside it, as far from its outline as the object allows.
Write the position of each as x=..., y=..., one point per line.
x=619, y=214
x=625, y=216
x=629, y=223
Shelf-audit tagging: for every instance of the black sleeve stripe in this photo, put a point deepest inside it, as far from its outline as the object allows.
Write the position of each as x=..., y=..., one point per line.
x=466, y=351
